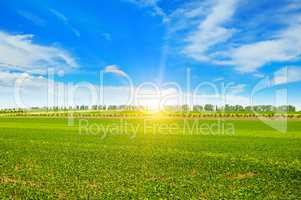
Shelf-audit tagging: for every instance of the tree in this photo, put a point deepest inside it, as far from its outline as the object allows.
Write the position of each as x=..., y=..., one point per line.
x=209, y=107
x=238, y=108
x=185, y=108
x=197, y=108
x=287, y=108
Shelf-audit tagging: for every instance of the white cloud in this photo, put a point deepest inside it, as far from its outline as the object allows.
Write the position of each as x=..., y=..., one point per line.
x=236, y=89
x=65, y=20
x=153, y=4
x=258, y=75
x=287, y=75
x=193, y=10
x=187, y=16
x=246, y=46
x=286, y=46
x=18, y=52
x=213, y=40
x=218, y=79
x=211, y=30
x=32, y=17
x=8, y=79
x=115, y=70
x=293, y=5
x=37, y=91
x=22, y=90
x=59, y=15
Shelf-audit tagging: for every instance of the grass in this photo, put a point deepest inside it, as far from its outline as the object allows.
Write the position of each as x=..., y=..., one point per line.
x=45, y=158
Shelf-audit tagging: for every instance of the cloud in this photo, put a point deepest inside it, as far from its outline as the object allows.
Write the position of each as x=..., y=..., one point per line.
x=236, y=89
x=65, y=20
x=8, y=79
x=18, y=52
x=216, y=32
x=38, y=91
x=191, y=10
x=285, y=46
x=187, y=17
x=21, y=90
x=258, y=75
x=287, y=75
x=211, y=30
x=153, y=4
x=218, y=79
x=33, y=18
x=115, y=70
x=293, y=5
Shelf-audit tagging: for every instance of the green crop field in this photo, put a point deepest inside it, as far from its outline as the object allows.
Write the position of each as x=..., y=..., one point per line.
x=43, y=157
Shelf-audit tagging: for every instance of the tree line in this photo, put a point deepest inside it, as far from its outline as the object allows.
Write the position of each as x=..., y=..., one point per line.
x=171, y=108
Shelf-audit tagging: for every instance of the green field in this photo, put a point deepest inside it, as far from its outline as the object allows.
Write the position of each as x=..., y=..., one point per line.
x=45, y=158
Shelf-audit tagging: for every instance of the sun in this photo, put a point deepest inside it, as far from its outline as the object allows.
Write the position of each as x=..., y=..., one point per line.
x=151, y=105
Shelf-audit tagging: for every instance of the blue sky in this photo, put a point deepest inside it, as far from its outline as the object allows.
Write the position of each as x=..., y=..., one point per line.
x=220, y=41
